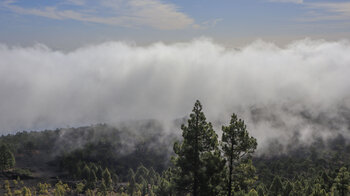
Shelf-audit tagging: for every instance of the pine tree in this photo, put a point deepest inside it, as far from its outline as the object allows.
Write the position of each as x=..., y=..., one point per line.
x=79, y=187
x=7, y=160
x=43, y=189
x=26, y=191
x=342, y=181
x=77, y=174
x=244, y=176
x=93, y=167
x=151, y=177
x=141, y=173
x=288, y=188
x=131, y=174
x=132, y=185
x=144, y=187
x=103, y=188
x=164, y=188
x=276, y=187
x=326, y=180
x=108, y=179
x=115, y=178
x=298, y=189
x=323, y=193
x=7, y=188
x=92, y=179
x=318, y=191
x=236, y=144
x=61, y=189
x=86, y=173
x=261, y=190
x=196, y=172
x=309, y=189
x=99, y=173
x=253, y=192
x=89, y=192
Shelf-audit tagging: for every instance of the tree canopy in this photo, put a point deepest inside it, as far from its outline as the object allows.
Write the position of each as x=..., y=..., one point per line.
x=7, y=159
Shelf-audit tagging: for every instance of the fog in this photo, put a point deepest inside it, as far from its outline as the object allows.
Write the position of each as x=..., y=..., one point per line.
x=301, y=90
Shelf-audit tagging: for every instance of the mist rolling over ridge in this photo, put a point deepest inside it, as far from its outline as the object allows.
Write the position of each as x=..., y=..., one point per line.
x=301, y=90
x=168, y=98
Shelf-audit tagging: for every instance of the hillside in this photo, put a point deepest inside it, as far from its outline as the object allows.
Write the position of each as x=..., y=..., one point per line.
x=57, y=155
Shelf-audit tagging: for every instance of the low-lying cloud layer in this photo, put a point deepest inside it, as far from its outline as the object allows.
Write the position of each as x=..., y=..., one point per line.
x=299, y=90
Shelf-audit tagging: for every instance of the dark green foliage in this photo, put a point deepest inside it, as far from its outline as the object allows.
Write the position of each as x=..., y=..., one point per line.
x=106, y=176
x=79, y=188
x=117, y=162
x=92, y=179
x=152, y=176
x=61, y=189
x=99, y=173
x=26, y=191
x=7, y=160
x=253, y=192
x=130, y=175
x=304, y=166
x=195, y=172
x=164, y=188
x=342, y=181
x=86, y=172
x=239, y=193
x=89, y=176
x=7, y=188
x=103, y=188
x=43, y=188
x=276, y=187
x=318, y=191
x=261, y=190
x=287, y=189
x=236, y=144
x=115, y=178
x=116, y=149
x=144, y=188
x=299, y=189
x=244, y=176
x=141, y=174
x=132, y=186
x=22, y=173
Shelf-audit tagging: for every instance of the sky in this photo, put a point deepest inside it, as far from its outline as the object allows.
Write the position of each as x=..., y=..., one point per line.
x=69, y=24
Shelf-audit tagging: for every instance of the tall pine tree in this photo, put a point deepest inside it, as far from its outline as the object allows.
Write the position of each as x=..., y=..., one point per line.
x=236, y=144
x=198, y=162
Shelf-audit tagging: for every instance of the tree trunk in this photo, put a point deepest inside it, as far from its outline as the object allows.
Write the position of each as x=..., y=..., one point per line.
x=195, y=166
x=230, y=172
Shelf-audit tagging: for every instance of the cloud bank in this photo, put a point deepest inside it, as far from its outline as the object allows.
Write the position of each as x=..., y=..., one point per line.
x=301, y=90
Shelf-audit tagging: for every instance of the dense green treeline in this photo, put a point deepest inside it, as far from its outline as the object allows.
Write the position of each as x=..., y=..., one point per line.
x=199, y=163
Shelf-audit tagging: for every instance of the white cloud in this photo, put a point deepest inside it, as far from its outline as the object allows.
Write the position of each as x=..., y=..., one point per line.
x=329, y=11
x=207, y=24
x=321, y=11
x=132, y=13
x=303, y=87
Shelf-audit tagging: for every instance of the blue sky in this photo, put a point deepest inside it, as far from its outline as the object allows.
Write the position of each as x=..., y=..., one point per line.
x=72, y=23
